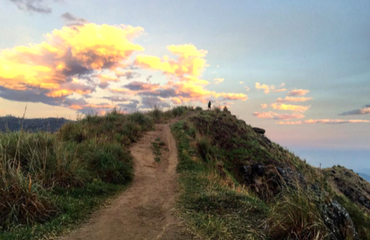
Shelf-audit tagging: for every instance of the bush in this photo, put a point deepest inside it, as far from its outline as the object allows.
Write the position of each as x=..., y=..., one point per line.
x=198, y=108
x=178, y=111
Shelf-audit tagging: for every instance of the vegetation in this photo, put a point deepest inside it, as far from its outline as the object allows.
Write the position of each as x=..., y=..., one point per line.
x=237, y=184
x=51, y=181
x=157, y=144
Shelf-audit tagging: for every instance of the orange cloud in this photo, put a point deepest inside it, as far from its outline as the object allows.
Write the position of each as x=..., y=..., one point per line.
x=298, y=92
x=288, y=107
x=277, y=116
x=293, y=99
x=68, y=52
x=325, y=121
x=190, y=61
x=264, y=105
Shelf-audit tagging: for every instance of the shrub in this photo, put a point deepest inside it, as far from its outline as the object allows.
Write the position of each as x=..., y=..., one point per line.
x=178, y=111
x=198, y=108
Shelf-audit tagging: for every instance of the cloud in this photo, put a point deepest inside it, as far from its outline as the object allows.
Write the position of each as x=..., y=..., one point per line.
x=298, y=92
x=288, y=107
x=361, y=111
x=61, y=65
x=116, y=98
x=218, y=80
x=267, y=89
x=264, y=105
x=37, y=6
x=186, y=69
x=293, y=99
x=247, y=88
x=324, y=121
x=138, y=86
x=241, y=82
x=277, y=116
x=70, y=19
x=128, y=74
x=105, y=80
x=190, y=61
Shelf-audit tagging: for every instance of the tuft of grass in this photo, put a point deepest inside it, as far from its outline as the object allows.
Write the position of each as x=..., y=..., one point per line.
x=156, y=145
x=295, y=215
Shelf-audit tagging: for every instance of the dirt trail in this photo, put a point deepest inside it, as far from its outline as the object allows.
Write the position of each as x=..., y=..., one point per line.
x=145, y=210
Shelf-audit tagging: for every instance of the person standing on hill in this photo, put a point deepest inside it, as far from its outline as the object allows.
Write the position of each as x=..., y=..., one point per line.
x=209, y=105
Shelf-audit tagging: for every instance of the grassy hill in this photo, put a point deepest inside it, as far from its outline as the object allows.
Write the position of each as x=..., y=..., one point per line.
x=234, y=182
x=237, y=184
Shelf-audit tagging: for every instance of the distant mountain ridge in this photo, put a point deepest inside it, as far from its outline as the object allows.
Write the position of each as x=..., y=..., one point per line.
x=10, y=123
x=365, y=176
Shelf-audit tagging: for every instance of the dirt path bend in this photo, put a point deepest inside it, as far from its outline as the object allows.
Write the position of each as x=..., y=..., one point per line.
x=145, y=210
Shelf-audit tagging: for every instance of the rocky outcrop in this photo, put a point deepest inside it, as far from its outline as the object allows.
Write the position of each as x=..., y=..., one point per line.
x=338, y=221
x=259, y=130
x=334, y=215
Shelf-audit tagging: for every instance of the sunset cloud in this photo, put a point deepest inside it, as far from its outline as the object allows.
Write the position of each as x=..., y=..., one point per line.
x=264, y=105
x=190, y=61
x=267, y=89
x=324, y=121
x=298, y=92
x=361, y=111
x=293, y=99
x=288, y=107
x=277, y=116
x=53, y=67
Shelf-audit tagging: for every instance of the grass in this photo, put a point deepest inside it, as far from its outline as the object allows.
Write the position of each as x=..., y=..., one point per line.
x=211, y=208
x=50, y=182
x=218, y=203
x=156, y=145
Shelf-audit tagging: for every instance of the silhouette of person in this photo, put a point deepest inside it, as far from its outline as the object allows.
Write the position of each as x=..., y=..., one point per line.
x=209, y=105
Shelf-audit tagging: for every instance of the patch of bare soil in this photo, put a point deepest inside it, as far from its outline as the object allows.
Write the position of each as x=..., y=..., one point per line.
x=146, y=209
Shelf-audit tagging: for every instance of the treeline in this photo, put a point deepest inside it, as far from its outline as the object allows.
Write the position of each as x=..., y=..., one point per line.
x=10, y=123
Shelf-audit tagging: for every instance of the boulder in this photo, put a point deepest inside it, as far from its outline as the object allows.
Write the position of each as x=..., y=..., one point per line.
x=338, y=221
x=259, y=130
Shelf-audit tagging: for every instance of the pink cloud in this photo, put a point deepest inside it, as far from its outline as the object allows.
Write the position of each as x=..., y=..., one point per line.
x=293, y=99
x=298, y=92
x=277, y=116
x=325, y=121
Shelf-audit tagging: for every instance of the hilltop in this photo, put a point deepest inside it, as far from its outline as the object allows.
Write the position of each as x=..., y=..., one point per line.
x=234, y=183
x=240, y=185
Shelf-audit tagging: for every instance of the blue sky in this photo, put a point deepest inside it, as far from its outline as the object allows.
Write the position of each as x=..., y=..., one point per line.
x=319, y=46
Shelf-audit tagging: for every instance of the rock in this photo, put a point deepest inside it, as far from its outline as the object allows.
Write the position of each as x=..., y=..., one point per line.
x=259, y=130
x=338, y=221
x=258, y=169
x=291, y=178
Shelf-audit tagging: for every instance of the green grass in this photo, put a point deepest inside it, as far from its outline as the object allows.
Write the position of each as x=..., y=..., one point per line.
x=212, y=209
x=50, y=182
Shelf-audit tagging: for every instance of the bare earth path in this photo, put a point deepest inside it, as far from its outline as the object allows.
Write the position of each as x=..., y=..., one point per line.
x=145, y=210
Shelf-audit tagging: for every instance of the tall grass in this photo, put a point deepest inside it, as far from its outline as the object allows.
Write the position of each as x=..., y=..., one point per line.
x=40, y=170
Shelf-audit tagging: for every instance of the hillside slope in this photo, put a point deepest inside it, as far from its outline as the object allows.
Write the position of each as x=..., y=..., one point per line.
x=237, y=184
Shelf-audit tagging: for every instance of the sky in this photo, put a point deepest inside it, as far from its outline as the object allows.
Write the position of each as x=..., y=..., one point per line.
x=299, y=69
